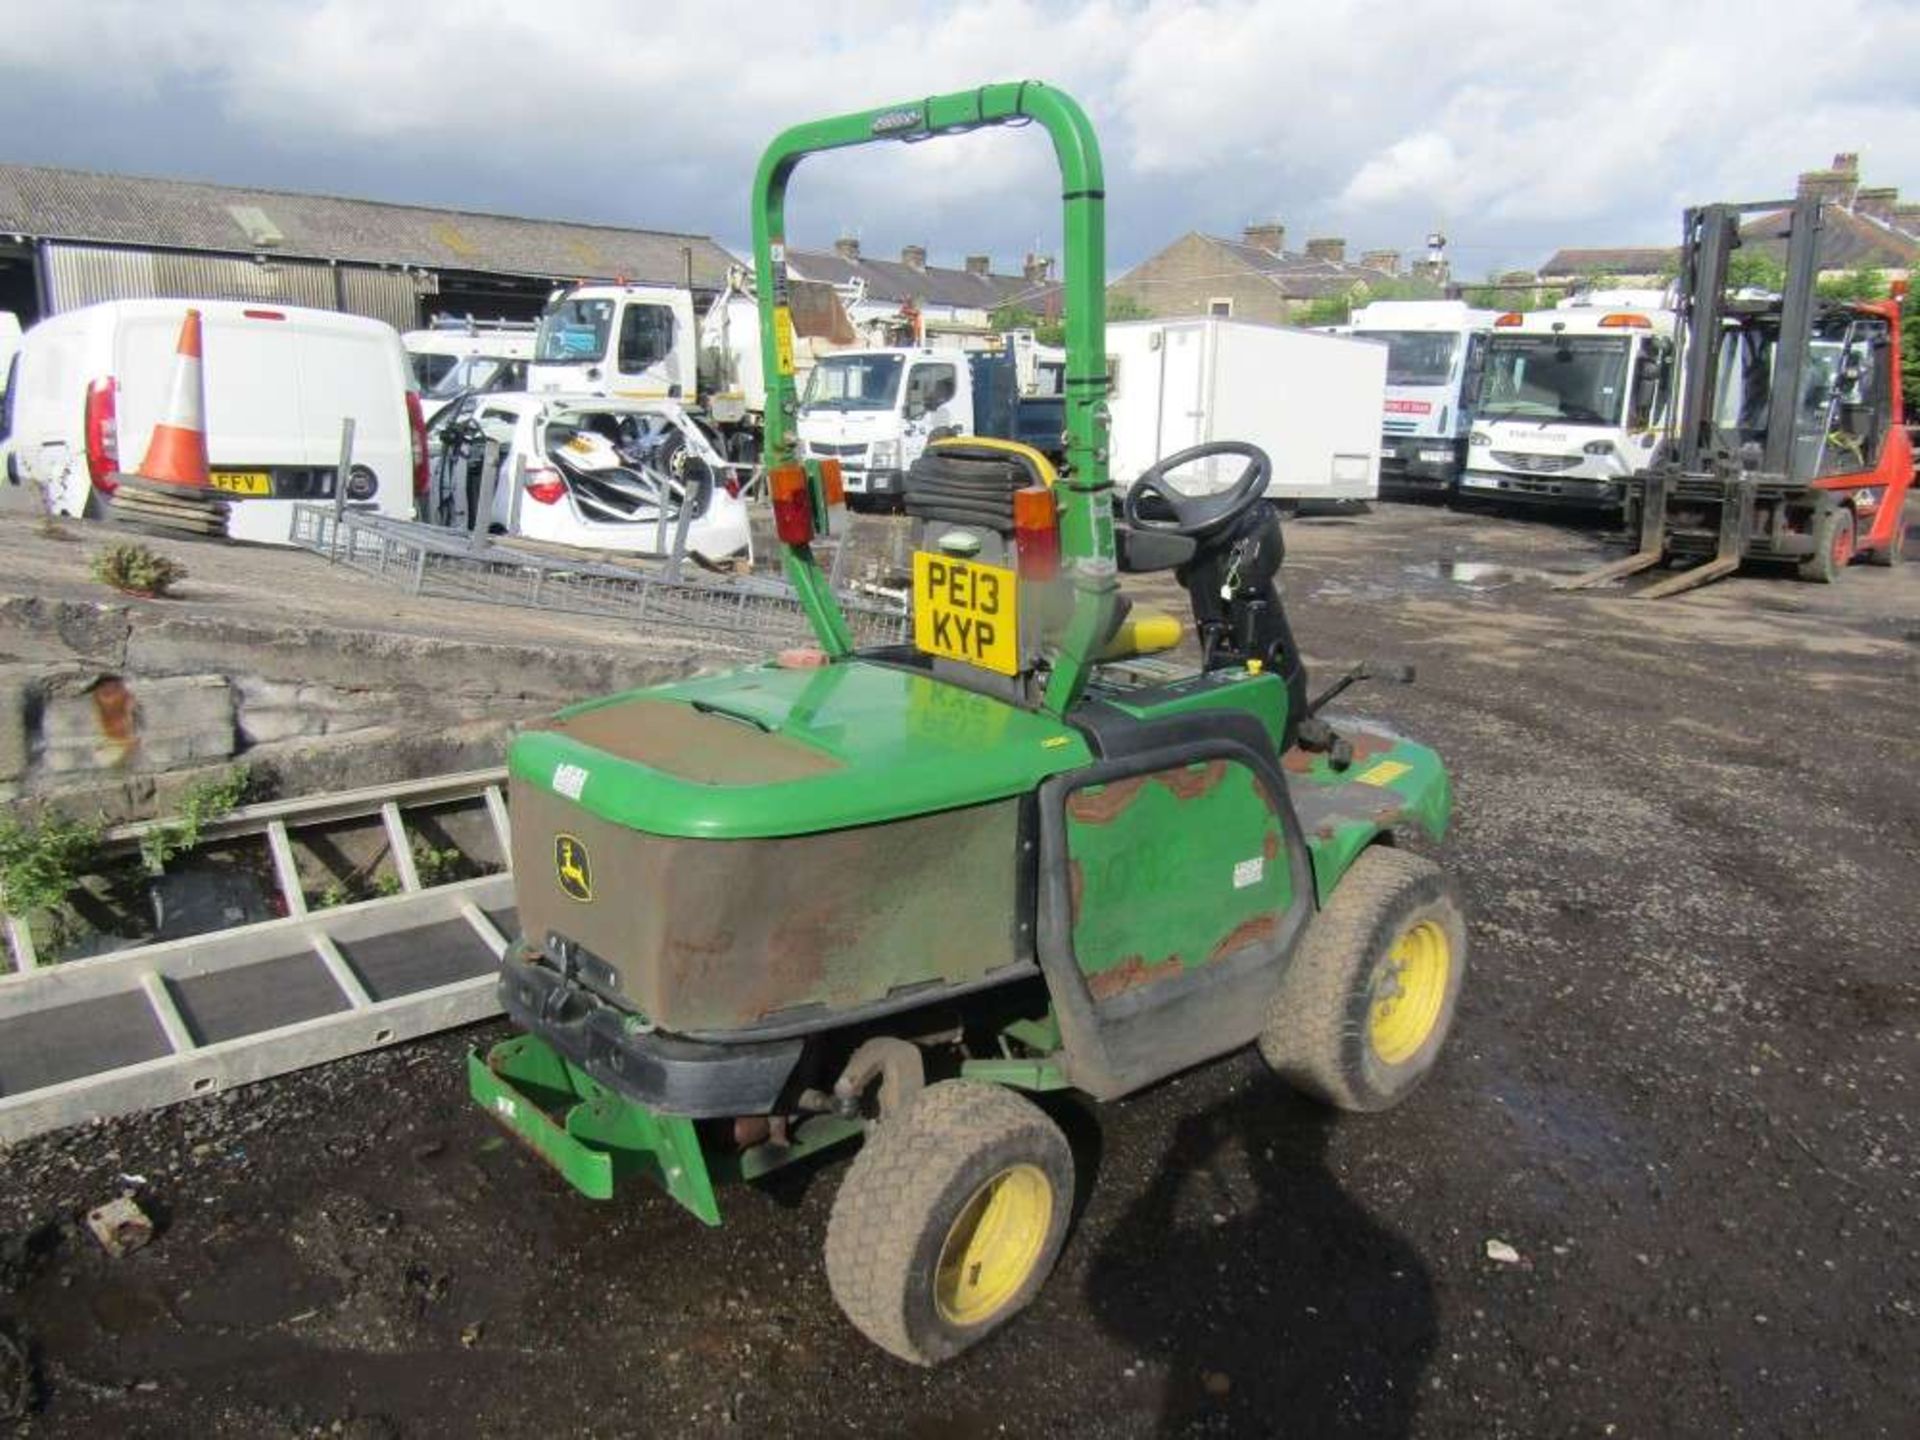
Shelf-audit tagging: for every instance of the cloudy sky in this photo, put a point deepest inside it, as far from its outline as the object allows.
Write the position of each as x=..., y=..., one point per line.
x=1515, y=126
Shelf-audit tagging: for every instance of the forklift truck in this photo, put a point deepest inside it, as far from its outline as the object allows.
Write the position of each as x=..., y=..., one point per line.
x=888, y=895
x=1788, y=442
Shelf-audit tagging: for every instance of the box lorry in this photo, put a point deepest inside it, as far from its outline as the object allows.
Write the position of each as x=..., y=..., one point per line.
x=1311, y=401
x=875, y=411
x=91, y=383
x=1573, y=400
x=1435, y=349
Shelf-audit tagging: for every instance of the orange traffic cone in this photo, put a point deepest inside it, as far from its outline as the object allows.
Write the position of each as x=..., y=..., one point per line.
x=172, y=489
x=177, y=453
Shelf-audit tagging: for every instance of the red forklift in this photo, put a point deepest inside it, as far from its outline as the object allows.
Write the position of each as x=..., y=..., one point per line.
x=1788, y=440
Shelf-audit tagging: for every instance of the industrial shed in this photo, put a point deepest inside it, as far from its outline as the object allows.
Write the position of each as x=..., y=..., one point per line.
x=73, y=237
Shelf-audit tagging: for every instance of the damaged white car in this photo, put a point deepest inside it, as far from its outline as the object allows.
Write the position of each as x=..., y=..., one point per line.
x=594, y=472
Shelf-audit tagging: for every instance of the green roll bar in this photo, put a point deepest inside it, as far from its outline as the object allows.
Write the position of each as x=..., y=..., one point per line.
x=1086, y=538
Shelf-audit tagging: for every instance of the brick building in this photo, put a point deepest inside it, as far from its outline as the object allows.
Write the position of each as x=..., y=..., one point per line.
x=1256, y=277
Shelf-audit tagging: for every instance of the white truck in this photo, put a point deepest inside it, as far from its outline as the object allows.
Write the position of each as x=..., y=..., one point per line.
x=1311, y=401
x=1572, y=400
x=90, y=384
x=876, y=410
x=643, y=342
x=1435, y=349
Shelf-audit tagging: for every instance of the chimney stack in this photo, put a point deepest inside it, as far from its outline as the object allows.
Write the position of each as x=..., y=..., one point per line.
x=1038, y=269
x=847, y=247
x=1268, y=235
x=1835, y=186
x=914, y=257
x=1387, y=260
x=979, y=264
x=1327, y=247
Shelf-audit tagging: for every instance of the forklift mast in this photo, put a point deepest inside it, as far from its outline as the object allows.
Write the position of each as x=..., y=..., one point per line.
x=1711, y=233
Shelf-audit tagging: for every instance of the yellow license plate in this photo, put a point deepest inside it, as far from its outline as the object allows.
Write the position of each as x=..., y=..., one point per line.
x=966, y=611
x=242, y=482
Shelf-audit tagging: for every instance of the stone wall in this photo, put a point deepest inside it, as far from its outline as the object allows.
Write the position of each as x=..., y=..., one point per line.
x=102, y=704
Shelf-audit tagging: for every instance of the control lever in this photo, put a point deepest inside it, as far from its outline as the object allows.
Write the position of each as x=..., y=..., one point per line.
x=1316, y=734
x=1365, y=670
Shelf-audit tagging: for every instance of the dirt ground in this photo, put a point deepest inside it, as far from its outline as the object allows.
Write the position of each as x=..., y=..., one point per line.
x=1680, y=1089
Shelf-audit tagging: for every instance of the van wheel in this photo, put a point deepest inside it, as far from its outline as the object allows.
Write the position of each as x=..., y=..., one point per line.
x=1366, y=1005
x=1833, y=546
x=949, y=1220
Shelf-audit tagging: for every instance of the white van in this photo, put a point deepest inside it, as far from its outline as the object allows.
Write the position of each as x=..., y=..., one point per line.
x=91, y=384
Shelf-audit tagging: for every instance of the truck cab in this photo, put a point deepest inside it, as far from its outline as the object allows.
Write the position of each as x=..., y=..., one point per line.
x=1572, y=400
x=633, y=342
x=875, y=410
x=1435, y=349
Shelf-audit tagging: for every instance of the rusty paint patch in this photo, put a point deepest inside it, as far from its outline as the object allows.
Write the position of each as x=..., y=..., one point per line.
x=1270, y=847
x=1076, y=887
x=1366, y=744
x=1189, y=783
x=114, y=711
x=1130, y=974
x=1296, y=761
x=1257, y=930
x=1102, y=805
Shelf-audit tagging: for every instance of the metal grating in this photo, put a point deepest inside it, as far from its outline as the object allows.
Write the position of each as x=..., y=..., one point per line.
x=746, y=614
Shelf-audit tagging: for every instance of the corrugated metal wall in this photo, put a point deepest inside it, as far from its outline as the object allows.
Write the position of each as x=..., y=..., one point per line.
x=87, y=274
x=388, y=295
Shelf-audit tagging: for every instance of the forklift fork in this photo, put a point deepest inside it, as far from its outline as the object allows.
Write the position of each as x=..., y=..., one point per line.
x=1653, y=539
x=1736, y=524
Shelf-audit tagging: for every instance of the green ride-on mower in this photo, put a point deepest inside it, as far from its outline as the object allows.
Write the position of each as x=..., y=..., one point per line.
x=887, y=894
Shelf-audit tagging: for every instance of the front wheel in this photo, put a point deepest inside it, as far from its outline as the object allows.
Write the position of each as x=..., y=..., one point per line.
x=1833, y=546
x=949, y=1220
x=1367, y=1003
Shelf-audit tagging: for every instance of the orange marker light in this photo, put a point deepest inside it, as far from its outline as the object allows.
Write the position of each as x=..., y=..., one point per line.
x=1512, y=317
x=792, y=506
x=1036, y=532
x=833, y=482
x=1624, y=321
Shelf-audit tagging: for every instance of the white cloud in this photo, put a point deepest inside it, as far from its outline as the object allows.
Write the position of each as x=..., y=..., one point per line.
x=1516, y=124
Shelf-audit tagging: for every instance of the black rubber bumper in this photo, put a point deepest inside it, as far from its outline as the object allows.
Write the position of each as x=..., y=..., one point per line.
x=667, y=1074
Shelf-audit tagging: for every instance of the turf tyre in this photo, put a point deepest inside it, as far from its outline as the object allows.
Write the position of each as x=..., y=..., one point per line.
x=1318, y=1035
x=915, y=1175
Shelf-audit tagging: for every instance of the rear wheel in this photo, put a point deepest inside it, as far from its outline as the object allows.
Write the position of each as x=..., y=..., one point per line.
x=1895, y=550
x=1370, y=996
x=949, y=1220
x=1833, y=546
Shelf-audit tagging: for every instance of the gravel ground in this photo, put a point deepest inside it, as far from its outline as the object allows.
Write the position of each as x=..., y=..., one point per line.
x=1679, y=1090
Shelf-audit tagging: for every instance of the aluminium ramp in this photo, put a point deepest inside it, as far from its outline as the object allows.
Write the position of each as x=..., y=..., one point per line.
x=163, y=1022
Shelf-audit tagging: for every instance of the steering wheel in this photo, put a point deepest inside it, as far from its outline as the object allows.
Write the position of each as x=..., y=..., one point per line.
x=1199, y=515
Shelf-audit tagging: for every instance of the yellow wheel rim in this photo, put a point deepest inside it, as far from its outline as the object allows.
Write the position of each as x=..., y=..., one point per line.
x=1409, y=987
x=993, y=1245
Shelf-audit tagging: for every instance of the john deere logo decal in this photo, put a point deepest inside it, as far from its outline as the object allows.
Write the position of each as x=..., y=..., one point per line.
x=571, y=865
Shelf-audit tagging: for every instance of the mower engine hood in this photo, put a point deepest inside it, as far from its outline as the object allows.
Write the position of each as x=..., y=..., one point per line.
x=772, y=751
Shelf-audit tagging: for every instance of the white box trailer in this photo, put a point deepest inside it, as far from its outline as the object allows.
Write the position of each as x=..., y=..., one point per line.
x=1311, y=401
